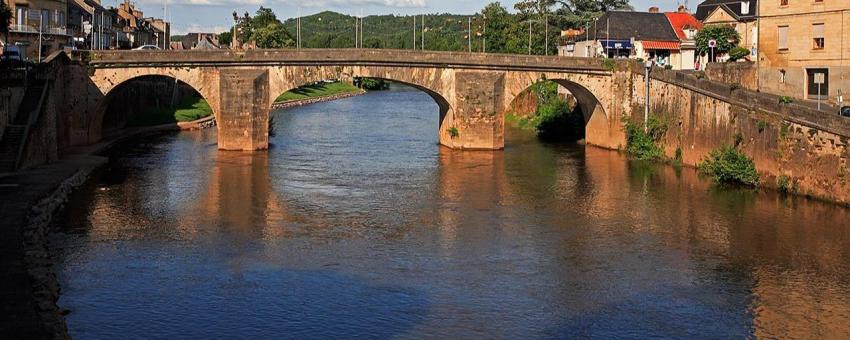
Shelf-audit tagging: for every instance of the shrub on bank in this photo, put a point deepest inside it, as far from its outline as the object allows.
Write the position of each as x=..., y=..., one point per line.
x=187, y=110
x=728, y=165
x=642, y=143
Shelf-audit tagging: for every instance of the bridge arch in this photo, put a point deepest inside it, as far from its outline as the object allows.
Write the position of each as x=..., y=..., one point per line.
x=437, y=83
x=141, y=92
x=591, y=92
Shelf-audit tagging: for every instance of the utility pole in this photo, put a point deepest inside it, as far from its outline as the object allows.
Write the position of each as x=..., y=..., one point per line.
x=423, y=32
x=298, y=30
x=469, y=34
x=414, y=32
x=529, y=37
x=484, y=37
x=40, y=28
x=546, y=44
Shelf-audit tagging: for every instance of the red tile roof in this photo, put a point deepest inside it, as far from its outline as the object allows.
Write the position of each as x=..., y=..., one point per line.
x=680, y=21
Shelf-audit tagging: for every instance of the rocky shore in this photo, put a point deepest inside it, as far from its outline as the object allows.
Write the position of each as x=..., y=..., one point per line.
x=308, y=101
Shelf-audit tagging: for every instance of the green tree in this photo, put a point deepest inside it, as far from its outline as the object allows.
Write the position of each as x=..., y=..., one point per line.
x=272, y=36
x=726, y=36
x=225, y=38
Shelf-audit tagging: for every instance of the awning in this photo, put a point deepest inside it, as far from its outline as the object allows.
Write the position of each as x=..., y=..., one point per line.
x=616, y=44
x=660, y=45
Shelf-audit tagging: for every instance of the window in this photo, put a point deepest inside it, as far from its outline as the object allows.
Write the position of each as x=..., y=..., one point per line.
x=745, y=7
x=21, y=18
x=817, y=36
x=782, y=39
x=783, y=2
x=782, y=76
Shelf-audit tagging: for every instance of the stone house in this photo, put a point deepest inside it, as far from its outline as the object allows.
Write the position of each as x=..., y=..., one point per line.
x=38, y=25
x=686, y=27
x=740, y=14
x=627, y=34
x=92, y=25
x=801, y=39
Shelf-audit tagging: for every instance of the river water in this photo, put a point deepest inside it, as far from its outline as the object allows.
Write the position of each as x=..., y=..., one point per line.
x=357, y=224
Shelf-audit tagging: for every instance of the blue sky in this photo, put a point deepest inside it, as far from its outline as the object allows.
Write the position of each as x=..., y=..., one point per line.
x=215, y=15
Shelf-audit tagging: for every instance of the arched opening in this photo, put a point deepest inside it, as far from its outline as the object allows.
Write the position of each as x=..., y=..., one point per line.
x=556, y=110
x=395, y=91
x=152, y=100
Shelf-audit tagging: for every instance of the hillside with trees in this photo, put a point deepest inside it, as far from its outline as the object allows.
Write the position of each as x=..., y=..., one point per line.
x=505, y=31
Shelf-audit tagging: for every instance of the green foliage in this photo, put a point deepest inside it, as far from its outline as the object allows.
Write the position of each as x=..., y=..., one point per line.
x=783, y=184
x=728, y=165
x=738, y=53
x=668, y=67
x=761, y=125
x=187, y=110
x=726, y=36
x=453, y=132
x=371, y=84
x=785, y=100
x=643, y=144
x=608, y=64
x=677, y=160
x=317, y=90
x=225, y=38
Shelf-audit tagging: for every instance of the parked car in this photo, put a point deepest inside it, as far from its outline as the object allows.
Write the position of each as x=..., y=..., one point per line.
x=844, y=111
x=147, y=47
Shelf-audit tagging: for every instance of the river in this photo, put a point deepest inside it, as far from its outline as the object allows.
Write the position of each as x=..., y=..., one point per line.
x=357, y=224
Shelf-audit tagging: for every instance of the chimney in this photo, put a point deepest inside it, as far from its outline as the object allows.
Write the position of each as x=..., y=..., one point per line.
x=653, y=9
x=682, y=9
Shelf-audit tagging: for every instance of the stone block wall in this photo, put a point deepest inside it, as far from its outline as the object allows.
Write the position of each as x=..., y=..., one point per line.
x=743, y=74
x=808, y=147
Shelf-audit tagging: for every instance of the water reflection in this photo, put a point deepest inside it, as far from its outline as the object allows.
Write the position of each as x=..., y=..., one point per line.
x=357, y=223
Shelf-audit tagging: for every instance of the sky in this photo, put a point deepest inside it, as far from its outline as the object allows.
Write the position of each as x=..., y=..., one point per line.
x=216, y=15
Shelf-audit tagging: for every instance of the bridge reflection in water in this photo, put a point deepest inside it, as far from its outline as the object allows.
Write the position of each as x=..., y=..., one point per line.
x=333, y=234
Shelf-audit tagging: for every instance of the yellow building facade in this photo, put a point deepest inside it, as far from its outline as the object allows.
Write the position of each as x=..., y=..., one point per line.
x=802, y=42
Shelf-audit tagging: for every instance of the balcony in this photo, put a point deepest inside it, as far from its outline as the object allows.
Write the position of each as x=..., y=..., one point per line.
x=34, y=30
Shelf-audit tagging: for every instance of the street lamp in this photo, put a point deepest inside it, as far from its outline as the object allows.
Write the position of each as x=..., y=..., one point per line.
x=648, y=66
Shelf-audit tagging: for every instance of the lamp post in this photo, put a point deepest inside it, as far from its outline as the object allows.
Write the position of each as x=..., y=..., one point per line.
x=648, y=66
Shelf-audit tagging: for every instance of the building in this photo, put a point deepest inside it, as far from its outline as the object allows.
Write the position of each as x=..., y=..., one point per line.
x=686, y=27
x=92, y=25
x=137, y=31
x=161, y=32
x=626, y=34
x=740, y=14
x=801, y=40
x=38, y=27
x=567, y=42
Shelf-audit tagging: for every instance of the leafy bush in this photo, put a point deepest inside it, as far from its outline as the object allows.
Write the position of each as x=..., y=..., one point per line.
x=728, y=165
x=761, y=125
x=785, y=100
x=643, y=145
x=738, y=53
x=371, y=84
x=668, y=67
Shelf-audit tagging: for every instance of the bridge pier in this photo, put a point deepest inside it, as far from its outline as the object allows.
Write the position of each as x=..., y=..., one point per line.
x=476, y=120
x=243, y=117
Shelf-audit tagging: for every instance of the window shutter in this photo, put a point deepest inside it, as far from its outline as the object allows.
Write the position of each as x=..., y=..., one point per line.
x=783, y=38
x=817, y=31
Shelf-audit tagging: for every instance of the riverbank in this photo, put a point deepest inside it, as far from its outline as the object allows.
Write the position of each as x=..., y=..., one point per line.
x=316, y=93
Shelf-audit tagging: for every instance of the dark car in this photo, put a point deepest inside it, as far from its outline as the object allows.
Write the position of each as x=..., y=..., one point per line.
x=844, y=111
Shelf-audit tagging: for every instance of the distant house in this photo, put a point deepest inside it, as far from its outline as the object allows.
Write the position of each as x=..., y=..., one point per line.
x=686, y=27
x=740, y=14
x=626, y=34
x=206, y=41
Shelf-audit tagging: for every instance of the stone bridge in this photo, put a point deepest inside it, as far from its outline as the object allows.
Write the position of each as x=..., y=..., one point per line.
x=472, y=90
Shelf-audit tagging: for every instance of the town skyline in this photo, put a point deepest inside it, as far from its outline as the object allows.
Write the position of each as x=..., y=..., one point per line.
x=214, y=16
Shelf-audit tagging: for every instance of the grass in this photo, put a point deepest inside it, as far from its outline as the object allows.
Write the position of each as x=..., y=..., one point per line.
x=187, y=110
x=317, y=90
